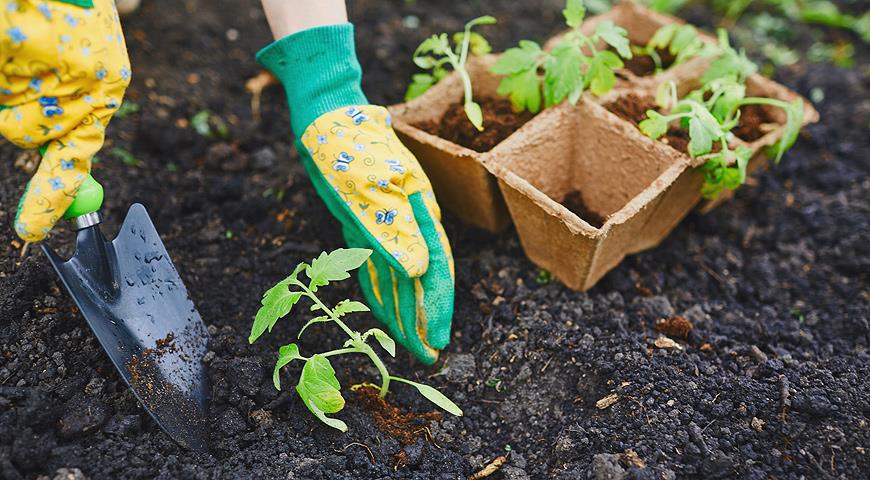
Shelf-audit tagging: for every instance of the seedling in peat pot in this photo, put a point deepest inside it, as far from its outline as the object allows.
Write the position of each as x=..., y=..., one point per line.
x=318, y=387
x=436, y=52
x=680, y=41
x=573, y=65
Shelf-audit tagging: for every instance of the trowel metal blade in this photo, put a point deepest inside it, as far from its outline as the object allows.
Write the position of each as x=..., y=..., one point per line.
x=135, y=302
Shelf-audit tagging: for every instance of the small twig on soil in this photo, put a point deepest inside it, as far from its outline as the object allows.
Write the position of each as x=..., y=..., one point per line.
x=784, y=397
x=713, y=274
x=371, y=455
x=490, y=468
x=255, y=87
x=24, y=250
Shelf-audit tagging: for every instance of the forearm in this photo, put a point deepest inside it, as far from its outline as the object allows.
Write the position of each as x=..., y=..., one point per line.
x=287, y=17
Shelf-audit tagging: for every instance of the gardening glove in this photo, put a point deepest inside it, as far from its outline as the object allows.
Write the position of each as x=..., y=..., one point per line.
x=63, y=73
x=371, y=183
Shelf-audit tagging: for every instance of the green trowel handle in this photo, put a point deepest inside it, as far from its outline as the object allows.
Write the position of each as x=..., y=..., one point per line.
x=88, y=200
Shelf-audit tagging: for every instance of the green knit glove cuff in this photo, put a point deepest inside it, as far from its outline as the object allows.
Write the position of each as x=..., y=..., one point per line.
x=319, y=70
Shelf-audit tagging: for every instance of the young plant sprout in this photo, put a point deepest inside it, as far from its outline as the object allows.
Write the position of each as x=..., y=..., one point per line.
x=573, y=65
x=681, y=41
x=318, y=387
x=710, y=113
x=436, y=52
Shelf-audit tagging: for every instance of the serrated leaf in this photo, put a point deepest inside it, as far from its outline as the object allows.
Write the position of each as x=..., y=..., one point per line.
x=574, y=12
x=600, y=76
x=700, y=141
x=654, y=126
x=318, y=386
x=683, y=37
x=615, y=36
x=523, y=90
x=436, y=44
x=436, y=397
x=425, y=62
x=662, y=37
x=794, y=114
x=518, y=59
x=317, y=319
x=562, y=74
x=335, y=266
x=474, y=114
x=276, y=303
x=349, y=306
x=386, y=342
x=286, y=354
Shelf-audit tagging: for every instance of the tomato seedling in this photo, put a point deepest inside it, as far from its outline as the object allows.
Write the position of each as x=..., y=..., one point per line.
x=436, y=52
x=571, y=67
x=318, y=387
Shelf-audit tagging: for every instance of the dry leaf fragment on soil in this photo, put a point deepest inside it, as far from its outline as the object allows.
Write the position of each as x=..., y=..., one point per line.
x=255, y=86
x=757, y=424
x=666, y=343
x=607, y=401
x=490, y=468
x=631, y=457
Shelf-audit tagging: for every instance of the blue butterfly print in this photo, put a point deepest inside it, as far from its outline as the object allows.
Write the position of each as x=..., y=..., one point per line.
x=342, y=163
x=56, y=183
x=67, y=164
x=395, y=165
x=357, y=115
x=386, y=216
x=50, y=107
x=35, y=84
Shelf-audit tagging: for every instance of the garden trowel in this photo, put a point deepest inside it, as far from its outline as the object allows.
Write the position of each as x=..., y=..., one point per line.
x=135, y=302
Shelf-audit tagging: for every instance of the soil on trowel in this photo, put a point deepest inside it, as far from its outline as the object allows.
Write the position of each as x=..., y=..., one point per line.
x=574, y=201
x=406, y=427
x=499, y=122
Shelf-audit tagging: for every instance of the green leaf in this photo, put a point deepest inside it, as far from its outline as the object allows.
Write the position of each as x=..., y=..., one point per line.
x=335, y=266
x=276, y=303
x=482, y=20
x=523, y=90
x=420, y=83
x=683, y=37
x=600, y=76
x=655, y=125
x=320, y=391
x=794, y=115
x=126, y=157
x=662, y=37
x=199, y=122
x=425, y=62
x=743, y=154
x=562, y=74
x=286, y=354
x=349, y=306
x=474, y=114
x=518, y=59
x=614, y=36
x=126, y=109
x=436, y=44
x=700, y=140
x=477, y=44
x=574, y=12
x=436, y=397
x=317, y=319
x=385, y=340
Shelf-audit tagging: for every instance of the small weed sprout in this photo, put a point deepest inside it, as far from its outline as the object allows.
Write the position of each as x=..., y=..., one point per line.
x=573, y=65
x=436, y=52
x=318, y=387
x=712, y=111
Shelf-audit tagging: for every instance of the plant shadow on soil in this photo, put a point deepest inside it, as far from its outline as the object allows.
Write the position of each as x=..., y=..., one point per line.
x=772, y=381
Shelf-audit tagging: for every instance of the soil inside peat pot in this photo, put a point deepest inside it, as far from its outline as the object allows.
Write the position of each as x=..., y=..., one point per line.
x=756, y=121
x=499, y=122
x=644, y=65
x=574, y=201
x=633, y=108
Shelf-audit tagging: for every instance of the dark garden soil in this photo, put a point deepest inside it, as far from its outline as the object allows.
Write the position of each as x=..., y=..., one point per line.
x=574, y=201
x=772, y=380
x=755, y=122
x=644, y=65
x=499, y=122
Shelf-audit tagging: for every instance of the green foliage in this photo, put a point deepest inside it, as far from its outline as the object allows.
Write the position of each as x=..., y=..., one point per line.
x=126, y=157
x=437, y=51
x=713, y=110
x=209, y=125
x=318, y=387
x=572, y=66
x=126, y=109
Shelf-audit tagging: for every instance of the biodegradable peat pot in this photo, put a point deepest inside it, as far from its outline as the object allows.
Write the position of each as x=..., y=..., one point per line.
x=637, y=188
x=459, y=175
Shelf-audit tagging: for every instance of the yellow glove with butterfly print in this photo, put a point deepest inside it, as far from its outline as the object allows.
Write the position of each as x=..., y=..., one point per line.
x=63, y=73
x=371, y=183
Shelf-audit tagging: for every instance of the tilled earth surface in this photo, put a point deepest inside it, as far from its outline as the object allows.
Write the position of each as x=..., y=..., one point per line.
x=773, y=381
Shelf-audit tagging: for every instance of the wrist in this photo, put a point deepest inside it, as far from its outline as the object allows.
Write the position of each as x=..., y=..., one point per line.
x=319, y=70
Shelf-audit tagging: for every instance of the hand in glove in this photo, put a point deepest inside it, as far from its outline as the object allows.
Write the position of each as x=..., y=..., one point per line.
x=371, y=183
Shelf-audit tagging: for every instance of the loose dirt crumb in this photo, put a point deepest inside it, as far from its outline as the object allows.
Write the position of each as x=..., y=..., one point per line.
x=677, y=327
x=664, y=342
x=406, y=427
x=607, y=401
